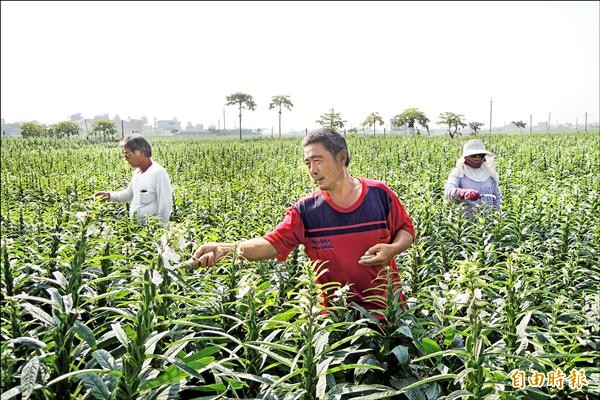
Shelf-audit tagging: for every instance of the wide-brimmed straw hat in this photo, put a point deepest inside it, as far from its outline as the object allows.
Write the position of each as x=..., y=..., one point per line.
x=474, y=146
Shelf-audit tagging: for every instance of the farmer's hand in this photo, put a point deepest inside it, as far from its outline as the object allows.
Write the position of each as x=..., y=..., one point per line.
x=469, y=194
x=378, y=255
x=104, y=196
x=209, y=254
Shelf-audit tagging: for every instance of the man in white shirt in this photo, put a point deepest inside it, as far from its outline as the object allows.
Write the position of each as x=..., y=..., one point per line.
x=149, y=190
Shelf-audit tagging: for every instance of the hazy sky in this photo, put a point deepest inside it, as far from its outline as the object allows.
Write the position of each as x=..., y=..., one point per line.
x=181, y=59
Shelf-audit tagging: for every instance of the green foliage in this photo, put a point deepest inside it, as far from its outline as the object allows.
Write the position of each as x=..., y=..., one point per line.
x=281, y=101
x=520, y=125
x=475, y=127
x=33, y=129
x=411, y=117
x=64, y=129
x=331, y=120
x=242, y=100
x=105, y=130
x=371, y=120
x=96, y=306
x=454, y=121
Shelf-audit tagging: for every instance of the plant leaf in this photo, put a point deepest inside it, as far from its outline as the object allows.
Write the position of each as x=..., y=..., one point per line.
x=96, y=386
x=401, y=353
x=105, y=359
x=38, y=314
x=29, y=375
x=85, y=333
x=120, y=333
x=30, y=341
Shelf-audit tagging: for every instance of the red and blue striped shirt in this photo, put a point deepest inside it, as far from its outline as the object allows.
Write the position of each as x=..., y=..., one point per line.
x=340, y=236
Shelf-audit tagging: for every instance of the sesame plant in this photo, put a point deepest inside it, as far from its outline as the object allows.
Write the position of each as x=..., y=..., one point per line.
x=97, y=306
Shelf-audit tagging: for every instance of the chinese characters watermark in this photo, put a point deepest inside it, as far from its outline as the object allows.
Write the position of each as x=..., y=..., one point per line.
x=557, y=378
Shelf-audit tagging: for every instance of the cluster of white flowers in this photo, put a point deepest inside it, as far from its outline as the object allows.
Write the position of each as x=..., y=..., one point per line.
x=171, y=240
x=81, y=216
x=6, y=242
x=92, y=230
x=244, y=286
x=169, y=255
x=157, y=279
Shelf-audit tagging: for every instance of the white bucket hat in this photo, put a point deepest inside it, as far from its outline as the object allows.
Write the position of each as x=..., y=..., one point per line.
x=474, y=146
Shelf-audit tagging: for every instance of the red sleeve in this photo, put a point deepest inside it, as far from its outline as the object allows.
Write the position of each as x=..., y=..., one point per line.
x=398, y=219
x=287, y=235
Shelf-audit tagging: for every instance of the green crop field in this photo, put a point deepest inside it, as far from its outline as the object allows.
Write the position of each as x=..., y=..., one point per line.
x=95, y=306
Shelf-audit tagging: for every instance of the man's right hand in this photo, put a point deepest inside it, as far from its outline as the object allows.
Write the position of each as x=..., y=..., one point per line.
x=104, y=196
x=209, y=254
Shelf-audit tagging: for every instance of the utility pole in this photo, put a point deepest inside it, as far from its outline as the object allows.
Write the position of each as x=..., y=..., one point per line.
x=490, y=115
x=548, y=124
x=586, y=121
x=122, y=130
x=223, y=118
x=530, y=122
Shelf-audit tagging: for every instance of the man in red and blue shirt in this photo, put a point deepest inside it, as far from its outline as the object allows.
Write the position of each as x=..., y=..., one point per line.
x=355, y=225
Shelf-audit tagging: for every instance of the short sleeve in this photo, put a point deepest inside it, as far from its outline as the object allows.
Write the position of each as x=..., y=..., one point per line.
x=398, y=218
x=287, y=235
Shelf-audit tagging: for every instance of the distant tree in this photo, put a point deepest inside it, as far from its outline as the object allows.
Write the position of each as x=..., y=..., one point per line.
x=453, y=120
x=331, y=120
x=410, y=117
x=520, y=125
x=372, y=120
x=475, y=126
x=242, y=100
x=105, y=129
x=33, y=129
x=65, y=129
x=281, y=101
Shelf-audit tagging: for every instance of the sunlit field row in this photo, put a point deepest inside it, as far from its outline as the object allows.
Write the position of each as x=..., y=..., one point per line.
x=96, y=306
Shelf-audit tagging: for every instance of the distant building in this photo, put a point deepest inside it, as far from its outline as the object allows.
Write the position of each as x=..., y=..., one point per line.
x=197, y=127
x=132, y=126
x=101, y=116
x=168, y=126
x=10, y=129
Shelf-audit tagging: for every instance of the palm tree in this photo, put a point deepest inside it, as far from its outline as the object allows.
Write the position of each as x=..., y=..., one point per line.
x=520, y=125
x=243, y=100
x=331, y=119
x=410, y=117
x=281, y=101
x=373, y=119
